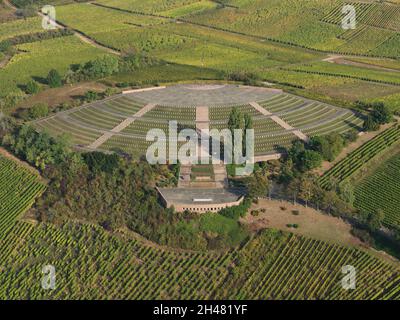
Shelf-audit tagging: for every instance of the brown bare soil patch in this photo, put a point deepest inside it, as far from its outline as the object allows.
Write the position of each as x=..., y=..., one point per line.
x=311, y=223
x=54, y=97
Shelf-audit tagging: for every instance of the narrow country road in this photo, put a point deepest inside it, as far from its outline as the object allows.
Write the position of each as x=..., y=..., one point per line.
x=82, y=37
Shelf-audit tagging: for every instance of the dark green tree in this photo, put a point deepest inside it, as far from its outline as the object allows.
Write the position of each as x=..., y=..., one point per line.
x=309, y=160
x=375, y=219
x=370, y=124
x=381, y=113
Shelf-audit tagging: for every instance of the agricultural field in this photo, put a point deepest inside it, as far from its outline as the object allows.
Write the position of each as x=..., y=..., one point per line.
x=38, y=58
x=382, y=15
x=162, y=37
x=97, y=265
x=189, y=9
x=20, y=27
x=387, y=63
x=157, y=7
x=168, y=73
x=327, y=68
x=94, y=207
x=335, y=89
x=380, y=190
x=19, y=190
x=355, y=161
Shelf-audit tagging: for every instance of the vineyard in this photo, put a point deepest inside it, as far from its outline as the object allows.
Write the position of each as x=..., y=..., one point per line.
x=385, y=16
x=239, y=37
x=288, y=64
x=329, y=69
x=38, y=58
x=18, y=191
x=354, y=162
x=88, y=123
x=380, y=191
x=20, y=27
x=378, y=27
x=96, y=265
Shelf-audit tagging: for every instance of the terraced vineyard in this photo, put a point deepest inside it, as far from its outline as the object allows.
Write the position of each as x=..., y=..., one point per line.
x=353, y=162
x=36, y=59
x=378, y=25
x=88, y=123
x=373, y=14
x=18, y=191
x=380, y=190
x=276, y=266
x=97, y=265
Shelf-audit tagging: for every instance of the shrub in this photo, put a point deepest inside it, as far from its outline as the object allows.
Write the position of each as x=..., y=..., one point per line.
x=351, y=135
x=237, y=211
x=255, y=213
x=39, y=110
x=32, y=87
x=54, y=79
x=5, y=46
x=91, y=96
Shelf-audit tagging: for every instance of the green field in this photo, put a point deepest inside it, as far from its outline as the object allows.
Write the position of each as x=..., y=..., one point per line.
x=354, y=162
x=380, y=190
x=19, y=189
x=349, y=71
x=38, y=58
x=20, y=27
x=288, y=64
x=96, y=265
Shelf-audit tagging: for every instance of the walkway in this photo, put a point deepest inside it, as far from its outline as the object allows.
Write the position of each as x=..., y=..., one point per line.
x=279, y=121
x=121, y=126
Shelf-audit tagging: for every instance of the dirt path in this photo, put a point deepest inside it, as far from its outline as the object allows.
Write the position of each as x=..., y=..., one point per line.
x=5, y=61
x=339, y=59
x=83, y=37
x=10, y=5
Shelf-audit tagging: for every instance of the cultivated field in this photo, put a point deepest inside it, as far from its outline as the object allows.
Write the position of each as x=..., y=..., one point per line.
x=355, y=161
x=96, y=265
x=380, y=190
x=36, y=59
x=287, y=63
x=18, y=191
x=279, y=41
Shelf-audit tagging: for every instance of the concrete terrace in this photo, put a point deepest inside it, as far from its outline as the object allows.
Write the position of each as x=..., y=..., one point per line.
x=200, y=200
x=205, y=95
